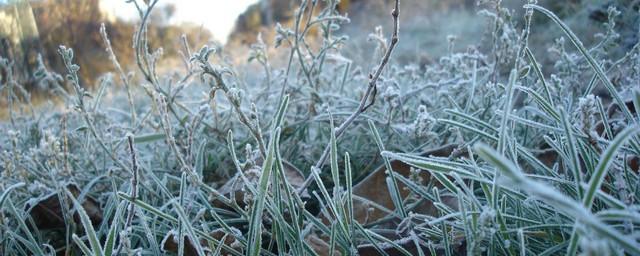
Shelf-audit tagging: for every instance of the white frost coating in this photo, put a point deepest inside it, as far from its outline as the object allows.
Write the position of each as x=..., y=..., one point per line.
x=424, y=122
x=173, y=235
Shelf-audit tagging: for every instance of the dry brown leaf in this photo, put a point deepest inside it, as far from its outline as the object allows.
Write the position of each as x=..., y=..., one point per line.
x=170, y=243
x=234, y=187
x=410, y=246
x=634, y=163
x=48, y=214
x=320, y=246
x=374, y=188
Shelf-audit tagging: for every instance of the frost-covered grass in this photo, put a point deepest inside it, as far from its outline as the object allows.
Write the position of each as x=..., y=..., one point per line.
x=544, y=163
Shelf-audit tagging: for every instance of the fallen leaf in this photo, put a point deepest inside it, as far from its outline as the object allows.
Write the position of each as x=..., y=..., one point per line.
x=373, y=203
x=170, y=243
x=634, y=163
x=234, y=188
x=48, y=214
x=408, y=244
x=320, y=246
x=374, y=188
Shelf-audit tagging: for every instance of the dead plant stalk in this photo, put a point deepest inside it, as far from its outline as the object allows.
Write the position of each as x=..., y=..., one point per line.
x=367, y=100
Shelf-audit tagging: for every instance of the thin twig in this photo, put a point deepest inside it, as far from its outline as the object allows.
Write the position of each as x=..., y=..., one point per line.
x=140, y=44
x=254, y=129
x=116, y=64
x=294, y=46
x=134, y=181
x=368, y=99
x=134, y=188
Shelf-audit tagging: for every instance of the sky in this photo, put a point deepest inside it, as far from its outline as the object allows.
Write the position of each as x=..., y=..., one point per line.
x=218, y=16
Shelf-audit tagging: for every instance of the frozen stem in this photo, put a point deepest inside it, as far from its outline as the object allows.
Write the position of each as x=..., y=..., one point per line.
x=367, y=100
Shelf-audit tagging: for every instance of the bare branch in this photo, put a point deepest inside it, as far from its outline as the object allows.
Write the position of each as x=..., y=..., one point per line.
x=134, y=188
x=368, y=99
x=116, y=64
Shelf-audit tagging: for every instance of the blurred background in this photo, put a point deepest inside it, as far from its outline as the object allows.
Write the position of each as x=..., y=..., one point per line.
x=430, y=28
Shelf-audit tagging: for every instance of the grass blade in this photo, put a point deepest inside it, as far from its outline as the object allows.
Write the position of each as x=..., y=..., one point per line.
x=574, y=159
x=552, y=197
x=592, y=62
x=255, y=232
x=94, y=242
x=6, y=192
x=606, y=160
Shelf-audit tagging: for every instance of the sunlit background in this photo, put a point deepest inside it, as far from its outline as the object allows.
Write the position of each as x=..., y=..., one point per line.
x=218, y=16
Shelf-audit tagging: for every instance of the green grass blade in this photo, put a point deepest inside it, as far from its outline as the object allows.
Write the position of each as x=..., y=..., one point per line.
x=606, y=160
x=282, y=109
x=636, y=102
x=333, y=158
x=35, y=248
x=538, y=71
x=574, y=159
x=110, y=243
x=94, y=242
x=392, y=184
x=557, y=199
x=592, y=62
x=83, y=247
x=255, y=224
x=8, y=190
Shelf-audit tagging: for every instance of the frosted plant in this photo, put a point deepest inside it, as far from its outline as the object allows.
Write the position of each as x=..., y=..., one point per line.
x=562, y=174
x=609, y=39
x=391, y=95
x=424, y=123
x=591, y=246
x=587, y=110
